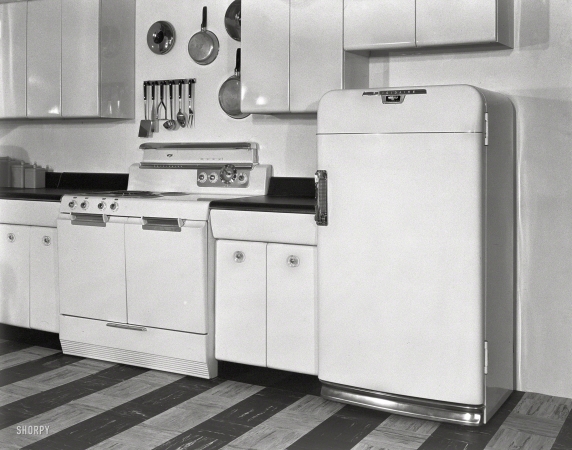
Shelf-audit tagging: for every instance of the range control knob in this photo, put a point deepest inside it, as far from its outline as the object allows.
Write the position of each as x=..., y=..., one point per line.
x=72, y=204
x=114, y=206
x=84, y=204
x=228, y=174
x=101, y=206
x=202, y=177
x=242, y=178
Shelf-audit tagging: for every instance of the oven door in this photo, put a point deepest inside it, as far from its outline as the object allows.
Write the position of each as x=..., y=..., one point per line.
x=166, y=270
x=92, y=266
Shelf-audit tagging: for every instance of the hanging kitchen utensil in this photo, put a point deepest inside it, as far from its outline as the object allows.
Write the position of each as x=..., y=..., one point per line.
x=181, y=118
x=161, y=37
x=161, y=103
x=203, y=46
x=191, y=112
x=146, y=127
x=154, y=118
x=229, y=93
x=170, y=124
x=232, y=20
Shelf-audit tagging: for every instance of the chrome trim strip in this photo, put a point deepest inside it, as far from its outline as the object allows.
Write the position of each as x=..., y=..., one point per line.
x=198, y=145
x=125, y=326
x=409, y=406
x=153, y=165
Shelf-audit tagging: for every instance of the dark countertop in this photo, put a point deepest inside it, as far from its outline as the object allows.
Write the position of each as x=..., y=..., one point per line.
x=61, y=183
x=285, y=195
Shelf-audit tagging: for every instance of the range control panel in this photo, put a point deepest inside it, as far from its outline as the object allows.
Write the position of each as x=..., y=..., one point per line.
x=228, y=176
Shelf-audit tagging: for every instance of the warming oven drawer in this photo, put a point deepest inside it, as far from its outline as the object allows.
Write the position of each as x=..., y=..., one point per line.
x=173, y=351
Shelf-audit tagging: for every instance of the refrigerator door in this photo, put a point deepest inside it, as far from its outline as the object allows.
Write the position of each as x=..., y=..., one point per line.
x=401, y=264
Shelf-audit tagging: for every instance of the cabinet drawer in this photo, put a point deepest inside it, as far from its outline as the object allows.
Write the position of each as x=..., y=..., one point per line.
x=154, y=348
x=264, y=226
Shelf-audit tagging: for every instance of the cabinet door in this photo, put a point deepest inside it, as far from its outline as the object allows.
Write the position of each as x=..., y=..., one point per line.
x=291, y=297
x=13, y=59
x=44, y=299
x=80, y=58
x=240, y=302
x=167, y=277
x=44, y=58
x=265, y=42
x=379, y=24
x=15, y=275
x=443, y=22
x=92, y=270
x=316, y=51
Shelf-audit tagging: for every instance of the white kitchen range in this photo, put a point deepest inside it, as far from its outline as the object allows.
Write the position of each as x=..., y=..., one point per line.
x=136, y=266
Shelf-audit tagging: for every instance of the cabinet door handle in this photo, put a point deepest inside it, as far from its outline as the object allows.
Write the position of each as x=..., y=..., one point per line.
x=47, y=240
x=11, y=237
x=126, y=326
x=293, y=261
x=239, y=257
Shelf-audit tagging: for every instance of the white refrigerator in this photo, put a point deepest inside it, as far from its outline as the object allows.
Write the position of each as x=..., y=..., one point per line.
x=416, y=213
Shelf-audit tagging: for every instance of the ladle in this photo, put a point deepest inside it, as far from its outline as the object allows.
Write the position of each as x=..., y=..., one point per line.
x=170, y=124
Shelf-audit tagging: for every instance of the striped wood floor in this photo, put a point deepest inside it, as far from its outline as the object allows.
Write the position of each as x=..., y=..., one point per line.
x=94, y=404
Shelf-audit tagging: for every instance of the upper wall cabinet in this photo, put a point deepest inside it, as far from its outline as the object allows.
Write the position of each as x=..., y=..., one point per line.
x=13, y=59
x=404, y=24
x=292, y=54
x=67, y=59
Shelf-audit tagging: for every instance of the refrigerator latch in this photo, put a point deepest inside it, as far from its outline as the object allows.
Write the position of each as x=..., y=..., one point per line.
x=321, y=216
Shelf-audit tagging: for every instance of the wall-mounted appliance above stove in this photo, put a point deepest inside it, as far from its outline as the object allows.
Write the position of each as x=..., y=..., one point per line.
x=136, y=266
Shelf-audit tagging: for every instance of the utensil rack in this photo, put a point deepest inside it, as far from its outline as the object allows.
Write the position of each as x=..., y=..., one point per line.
x=158, y=111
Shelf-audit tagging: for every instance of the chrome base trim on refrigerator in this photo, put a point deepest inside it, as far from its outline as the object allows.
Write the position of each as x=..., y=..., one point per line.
x=408, y=406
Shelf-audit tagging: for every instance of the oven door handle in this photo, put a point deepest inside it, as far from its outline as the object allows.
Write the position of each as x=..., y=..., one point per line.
x=90, y=220
x=162, y=224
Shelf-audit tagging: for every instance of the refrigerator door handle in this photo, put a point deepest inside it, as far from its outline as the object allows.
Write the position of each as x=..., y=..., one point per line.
x=321, y=179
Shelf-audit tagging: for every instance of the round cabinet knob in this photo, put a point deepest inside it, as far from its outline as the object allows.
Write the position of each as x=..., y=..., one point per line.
x=11, y=237
x=228, y=174
x=84, y=204
x=293, y=261
x=47, y=240
x=239, y=257
x=114, y=206
x=72, y=204
x=101, y=206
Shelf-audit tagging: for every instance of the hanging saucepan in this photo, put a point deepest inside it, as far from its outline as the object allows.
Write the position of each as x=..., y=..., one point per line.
x=203, y=46
x=229, y=93
x=232, y=20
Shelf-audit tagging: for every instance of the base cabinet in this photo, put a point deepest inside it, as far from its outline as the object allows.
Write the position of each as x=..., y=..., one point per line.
x=28, y=277
x=265, y=305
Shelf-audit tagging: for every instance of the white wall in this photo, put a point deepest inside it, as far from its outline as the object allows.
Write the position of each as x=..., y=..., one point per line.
x=537, y=75
x=287, y=142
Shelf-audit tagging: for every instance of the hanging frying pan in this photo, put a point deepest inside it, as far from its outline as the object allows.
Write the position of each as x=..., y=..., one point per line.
x=203, y=46
x=229, y=93
x=232, y=20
